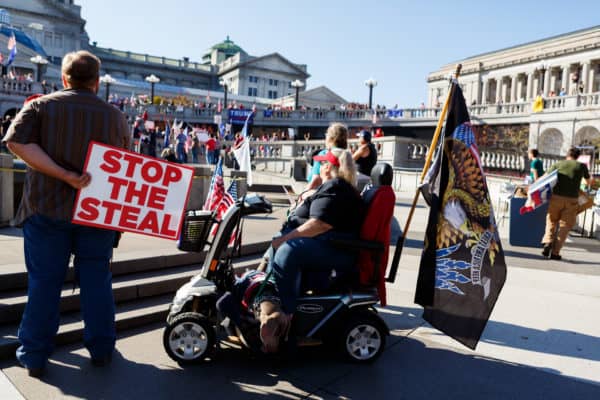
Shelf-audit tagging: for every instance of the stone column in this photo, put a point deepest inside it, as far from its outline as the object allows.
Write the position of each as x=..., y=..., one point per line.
x=553, y=76
x=513, y=89
x=565, y=78
x=484, y=91
x=529, y=95
x=477, y=92
x=585, y=74
x=498, y=89
x=547, y=80
x=519, y=94
x=591, y=80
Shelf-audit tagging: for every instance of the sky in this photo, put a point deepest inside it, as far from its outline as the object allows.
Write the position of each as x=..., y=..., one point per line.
x=396, y=42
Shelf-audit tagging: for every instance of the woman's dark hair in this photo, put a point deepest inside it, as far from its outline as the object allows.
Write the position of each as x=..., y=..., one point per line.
x=534, y=152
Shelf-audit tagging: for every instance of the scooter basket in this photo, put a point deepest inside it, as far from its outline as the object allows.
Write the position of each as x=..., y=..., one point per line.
x=195, y=230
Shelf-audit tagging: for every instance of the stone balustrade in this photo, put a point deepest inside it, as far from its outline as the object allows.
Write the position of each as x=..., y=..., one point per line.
x=18, y=88
x=517, y=109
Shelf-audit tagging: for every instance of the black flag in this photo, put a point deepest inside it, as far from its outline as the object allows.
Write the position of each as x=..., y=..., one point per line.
x=462, y=268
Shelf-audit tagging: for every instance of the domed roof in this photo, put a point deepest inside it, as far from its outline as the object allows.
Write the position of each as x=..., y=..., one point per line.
x=228, y=47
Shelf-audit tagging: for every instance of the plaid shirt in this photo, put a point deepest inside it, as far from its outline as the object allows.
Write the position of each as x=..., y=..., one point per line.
x=62, y=124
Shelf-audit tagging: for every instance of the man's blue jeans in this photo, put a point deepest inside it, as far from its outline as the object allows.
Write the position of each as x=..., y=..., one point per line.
x=48, y=246
x=314, y=255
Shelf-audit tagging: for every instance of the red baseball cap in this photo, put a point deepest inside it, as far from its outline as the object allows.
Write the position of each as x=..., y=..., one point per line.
x=329, y=157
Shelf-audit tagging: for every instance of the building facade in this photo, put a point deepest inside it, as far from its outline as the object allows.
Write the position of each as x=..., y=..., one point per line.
x=564, y=70
x=52, y=28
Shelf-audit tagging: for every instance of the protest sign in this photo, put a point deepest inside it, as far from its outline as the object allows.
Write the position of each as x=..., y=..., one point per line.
x=133, y=193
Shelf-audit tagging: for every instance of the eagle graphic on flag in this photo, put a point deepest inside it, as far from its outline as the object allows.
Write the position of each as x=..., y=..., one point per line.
x=462, y=269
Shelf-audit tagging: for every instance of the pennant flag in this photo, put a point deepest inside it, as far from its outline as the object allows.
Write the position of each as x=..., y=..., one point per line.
x=12, y=47
x=539, y=192
x=219, y=106
x=374, y=117
x=208, y=96
x=462, y=267
x=242, y=153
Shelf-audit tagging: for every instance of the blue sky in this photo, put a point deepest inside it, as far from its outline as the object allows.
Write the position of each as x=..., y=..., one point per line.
x=343, y=42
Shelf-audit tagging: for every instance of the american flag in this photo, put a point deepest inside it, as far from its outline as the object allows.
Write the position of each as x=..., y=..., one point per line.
x=218, y=199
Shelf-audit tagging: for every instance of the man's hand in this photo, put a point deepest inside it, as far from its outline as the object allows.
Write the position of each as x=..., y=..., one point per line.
x=77, y=181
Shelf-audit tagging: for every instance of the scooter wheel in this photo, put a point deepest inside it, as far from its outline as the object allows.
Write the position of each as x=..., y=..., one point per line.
x=363, y=339
x=189, y=338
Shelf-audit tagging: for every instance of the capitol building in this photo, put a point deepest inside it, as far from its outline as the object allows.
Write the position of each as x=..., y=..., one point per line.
x=564, y=70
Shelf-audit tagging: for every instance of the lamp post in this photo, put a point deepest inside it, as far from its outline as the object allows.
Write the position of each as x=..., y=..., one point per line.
x=542, y=71
x=223, y=83
x=371, y=83
x=153, y=80
x=297, y=84
x=107, y=80
x=39, y=61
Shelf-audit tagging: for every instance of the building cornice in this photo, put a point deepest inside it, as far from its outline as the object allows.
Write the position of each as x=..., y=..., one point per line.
x=541, y=50
x=248, y=63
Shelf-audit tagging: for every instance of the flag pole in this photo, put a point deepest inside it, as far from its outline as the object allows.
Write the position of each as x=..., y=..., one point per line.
x=436, y=136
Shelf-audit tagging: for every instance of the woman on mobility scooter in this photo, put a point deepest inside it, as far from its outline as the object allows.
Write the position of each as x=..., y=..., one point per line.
x=303, y=256
x=340, y=314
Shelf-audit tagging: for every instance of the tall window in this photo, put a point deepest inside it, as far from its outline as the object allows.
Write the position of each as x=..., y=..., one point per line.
x=273, y=82
x=252, y=79
x=272, y=94
x=252, y=91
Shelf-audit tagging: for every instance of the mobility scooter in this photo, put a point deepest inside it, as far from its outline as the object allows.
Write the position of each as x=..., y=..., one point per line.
x=343, y=315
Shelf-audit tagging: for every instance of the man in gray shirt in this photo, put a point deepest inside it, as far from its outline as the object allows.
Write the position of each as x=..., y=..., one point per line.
x=52, y=134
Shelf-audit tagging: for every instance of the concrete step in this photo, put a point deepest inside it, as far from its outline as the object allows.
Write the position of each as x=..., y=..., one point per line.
x=126, y=288
x=130, y=315
x=14, y=276
x=141, y=299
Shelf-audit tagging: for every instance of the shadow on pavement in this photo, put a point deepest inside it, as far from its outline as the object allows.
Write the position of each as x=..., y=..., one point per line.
x=408, y=369
x=552, y=341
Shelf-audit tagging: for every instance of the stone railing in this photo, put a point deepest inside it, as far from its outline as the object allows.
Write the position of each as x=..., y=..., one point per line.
x=519, y=109
x=19, y=88
x=171, y=62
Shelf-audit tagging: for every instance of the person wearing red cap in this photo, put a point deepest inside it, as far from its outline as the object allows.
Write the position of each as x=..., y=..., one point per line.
x=335, y=210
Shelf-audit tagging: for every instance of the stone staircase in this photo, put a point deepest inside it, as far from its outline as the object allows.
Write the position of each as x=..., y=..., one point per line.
x=143, y=289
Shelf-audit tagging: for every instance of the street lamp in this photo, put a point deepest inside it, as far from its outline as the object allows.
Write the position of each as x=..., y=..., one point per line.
x=39, y=61
x=107, y=80
x=153, y=80
x=371, y=83
x=297, y=84
x=223, y=83
x=542, y=70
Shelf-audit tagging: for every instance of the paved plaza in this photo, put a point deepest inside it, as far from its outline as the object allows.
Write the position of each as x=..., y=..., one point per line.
x=542, y=341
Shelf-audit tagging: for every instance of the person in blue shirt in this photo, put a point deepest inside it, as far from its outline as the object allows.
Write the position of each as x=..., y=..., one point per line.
x=536, y=168
x=335, y=137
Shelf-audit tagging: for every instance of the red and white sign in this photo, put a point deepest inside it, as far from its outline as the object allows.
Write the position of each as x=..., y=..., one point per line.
x=133, y=193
